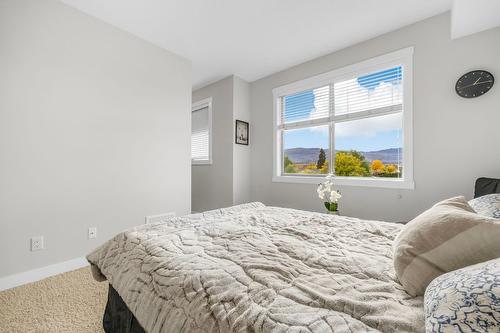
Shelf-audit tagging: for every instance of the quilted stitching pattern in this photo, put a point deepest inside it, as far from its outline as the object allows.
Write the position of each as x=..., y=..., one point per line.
x=253, y=268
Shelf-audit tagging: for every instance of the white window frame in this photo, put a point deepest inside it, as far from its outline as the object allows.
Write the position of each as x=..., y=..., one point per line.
x=207, y=102
x=404, y=58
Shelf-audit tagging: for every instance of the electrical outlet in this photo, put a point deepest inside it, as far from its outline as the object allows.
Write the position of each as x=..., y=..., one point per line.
x=159, y=218
x=37, y=243
x=92, y=232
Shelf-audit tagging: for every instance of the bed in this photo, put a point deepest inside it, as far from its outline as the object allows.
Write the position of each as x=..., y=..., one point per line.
x=254, y=268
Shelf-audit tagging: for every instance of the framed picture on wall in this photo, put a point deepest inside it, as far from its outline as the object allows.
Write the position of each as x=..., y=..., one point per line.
x=241, y=132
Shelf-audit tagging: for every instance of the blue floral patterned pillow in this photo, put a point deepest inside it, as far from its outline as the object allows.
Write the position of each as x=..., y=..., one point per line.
x=465, y=300
x=487, y=205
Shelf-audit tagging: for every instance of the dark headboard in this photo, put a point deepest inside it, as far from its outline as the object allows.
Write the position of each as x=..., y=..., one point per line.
x=486, y=186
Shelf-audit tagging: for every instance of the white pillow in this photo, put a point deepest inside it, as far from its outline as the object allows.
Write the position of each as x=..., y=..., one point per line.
x=448, y=236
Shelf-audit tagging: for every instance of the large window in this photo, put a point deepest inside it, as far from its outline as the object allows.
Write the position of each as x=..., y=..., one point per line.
x=201, y=132
x=354, y=122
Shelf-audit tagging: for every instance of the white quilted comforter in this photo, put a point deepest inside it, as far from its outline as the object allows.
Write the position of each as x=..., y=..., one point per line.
x=253, y=268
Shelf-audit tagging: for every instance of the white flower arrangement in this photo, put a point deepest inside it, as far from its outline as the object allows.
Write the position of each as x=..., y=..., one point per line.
x=328, y=194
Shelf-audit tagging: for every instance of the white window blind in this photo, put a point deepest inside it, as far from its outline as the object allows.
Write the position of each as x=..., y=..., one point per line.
x=382, y=89
x=200, y=135
x=378, y=92
x=297, y=107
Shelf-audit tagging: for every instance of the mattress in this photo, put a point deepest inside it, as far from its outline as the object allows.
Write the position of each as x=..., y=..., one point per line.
x=255, y=268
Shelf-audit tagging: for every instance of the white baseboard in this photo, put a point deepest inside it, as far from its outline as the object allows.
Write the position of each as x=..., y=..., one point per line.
x=15, y=280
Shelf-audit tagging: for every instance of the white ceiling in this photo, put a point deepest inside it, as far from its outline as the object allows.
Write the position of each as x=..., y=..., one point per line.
x=469, y=16
x=255, y=38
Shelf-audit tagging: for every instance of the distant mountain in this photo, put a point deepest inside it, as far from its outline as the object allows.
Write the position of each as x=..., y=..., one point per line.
x=303, y=155
x=388, y=156
x=308, y=155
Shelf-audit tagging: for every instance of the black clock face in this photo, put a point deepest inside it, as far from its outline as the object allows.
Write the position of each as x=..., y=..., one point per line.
x=474, y=84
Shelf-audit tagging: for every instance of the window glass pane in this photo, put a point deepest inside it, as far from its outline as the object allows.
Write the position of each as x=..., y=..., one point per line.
x=310, y=104
x=370, y=147
x=305, y=150
x=200, y=135
x=379, y=89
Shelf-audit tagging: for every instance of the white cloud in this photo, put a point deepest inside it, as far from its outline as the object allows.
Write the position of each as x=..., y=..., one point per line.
x=321, y=108
x=352, y=97
x=321, y=103
x=369, y=127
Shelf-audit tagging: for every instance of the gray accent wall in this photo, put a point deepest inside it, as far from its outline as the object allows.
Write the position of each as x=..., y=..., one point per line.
x=212, y=184
x=226, y=181
x=241, y=153
x=94, y=132
x=455, y=139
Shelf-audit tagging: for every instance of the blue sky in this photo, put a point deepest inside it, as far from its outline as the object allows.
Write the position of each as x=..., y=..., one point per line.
x=364, y=135
x=307, y=138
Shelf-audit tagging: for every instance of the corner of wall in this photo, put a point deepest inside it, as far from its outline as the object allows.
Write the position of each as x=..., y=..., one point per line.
x=229, y=175
x=241, y=153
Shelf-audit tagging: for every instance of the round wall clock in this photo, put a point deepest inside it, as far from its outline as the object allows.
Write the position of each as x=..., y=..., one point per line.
x=474, y=84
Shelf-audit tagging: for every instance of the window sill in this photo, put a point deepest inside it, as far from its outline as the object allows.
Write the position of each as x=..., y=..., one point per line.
x=207, y=162
x=349, y=181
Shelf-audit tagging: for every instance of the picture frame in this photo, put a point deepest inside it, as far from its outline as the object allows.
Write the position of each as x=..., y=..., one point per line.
x=241, y=132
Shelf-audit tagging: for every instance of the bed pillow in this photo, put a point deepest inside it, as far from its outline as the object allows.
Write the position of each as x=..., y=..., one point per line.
x=448, y=236
x=487, y=205
x=465, y=300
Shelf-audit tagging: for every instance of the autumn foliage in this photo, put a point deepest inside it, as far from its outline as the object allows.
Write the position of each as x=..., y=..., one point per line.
x=377, y=165
x=347, y=163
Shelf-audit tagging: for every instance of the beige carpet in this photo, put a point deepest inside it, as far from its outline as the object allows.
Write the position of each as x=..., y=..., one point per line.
x=69, y=302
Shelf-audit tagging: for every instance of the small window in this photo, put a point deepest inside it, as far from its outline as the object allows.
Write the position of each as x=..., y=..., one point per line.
x=354, y=122
x=201, y=132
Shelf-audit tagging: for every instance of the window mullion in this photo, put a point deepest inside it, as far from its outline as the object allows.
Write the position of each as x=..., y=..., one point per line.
x=305, y=124
x=386, y=110
x=331, y=126
x=281, y=169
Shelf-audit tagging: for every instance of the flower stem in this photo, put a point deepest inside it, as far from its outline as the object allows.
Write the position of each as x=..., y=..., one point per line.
x=331, y=206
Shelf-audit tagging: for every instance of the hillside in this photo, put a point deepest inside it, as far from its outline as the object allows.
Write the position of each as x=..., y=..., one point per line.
x=308, y=155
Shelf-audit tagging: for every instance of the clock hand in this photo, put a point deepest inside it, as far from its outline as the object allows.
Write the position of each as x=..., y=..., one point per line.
x=476, y=82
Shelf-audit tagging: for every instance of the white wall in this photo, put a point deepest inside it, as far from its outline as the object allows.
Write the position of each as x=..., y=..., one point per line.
x=212, y=185
x=241, y=153
x=455, y=139
x=94, y=131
